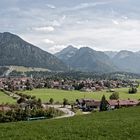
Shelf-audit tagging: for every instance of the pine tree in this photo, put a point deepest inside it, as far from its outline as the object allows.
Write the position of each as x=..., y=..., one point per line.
x=103, y=104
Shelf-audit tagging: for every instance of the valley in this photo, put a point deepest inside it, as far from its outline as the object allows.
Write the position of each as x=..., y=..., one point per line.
x=59, y=95
x=69, y=70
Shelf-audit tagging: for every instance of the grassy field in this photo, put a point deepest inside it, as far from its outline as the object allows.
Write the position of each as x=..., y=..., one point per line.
x=59, y=95
x=6, y=99
x=123, y=124
x=26, y=69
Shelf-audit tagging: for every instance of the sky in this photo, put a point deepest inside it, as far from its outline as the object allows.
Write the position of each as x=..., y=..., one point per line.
x=104, y=25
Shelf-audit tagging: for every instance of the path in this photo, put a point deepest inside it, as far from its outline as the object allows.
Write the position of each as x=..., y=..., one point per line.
x=66, y=110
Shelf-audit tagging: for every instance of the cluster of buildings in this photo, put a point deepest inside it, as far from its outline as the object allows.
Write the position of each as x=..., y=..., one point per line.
x=90, y=104
x=82, y=85
x=14, y=83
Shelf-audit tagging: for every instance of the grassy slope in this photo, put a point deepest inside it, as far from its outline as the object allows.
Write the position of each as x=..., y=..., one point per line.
x=5, y=98
x=26, y=69
x=59, y=95
x=123, y=124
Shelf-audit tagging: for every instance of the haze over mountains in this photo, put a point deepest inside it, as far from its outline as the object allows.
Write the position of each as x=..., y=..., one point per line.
x=87, y=59
x=128, y=61
x=16, y=51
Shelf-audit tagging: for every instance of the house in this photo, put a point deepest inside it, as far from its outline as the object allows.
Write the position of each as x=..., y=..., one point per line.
x=67, y=87
x=84, y=89
x=122, y=103
x=88, y=104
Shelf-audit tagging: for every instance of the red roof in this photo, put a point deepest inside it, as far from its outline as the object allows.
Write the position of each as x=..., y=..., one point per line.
x=123, y=102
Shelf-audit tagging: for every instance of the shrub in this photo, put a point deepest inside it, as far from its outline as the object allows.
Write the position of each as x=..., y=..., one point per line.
x=132, y=90
x=114, y=96
x=65, y=102
x=51, y=100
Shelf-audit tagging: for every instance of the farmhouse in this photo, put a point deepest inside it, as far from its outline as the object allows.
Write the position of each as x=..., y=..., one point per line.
x=90, y=104
x=122, y=103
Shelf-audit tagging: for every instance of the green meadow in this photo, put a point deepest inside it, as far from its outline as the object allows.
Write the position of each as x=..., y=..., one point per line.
x=122, y=124
x=6, y=99
x=59, y=95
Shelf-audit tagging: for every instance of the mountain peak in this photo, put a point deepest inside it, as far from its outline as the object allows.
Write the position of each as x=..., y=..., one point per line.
x=87, y=59
x=66, y=53
x=8, y=34
x=86, y=49
x=16, y=51
x=123, y=54
x=70, y=47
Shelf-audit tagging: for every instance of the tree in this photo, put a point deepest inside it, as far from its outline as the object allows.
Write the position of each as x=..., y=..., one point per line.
x=65, y=102
x=39, y=103
x=114, y=96
x=28, y=85
x=21, y=100
x=138, y=84
x=103, y=104
x=132, y=90
x=51, y=100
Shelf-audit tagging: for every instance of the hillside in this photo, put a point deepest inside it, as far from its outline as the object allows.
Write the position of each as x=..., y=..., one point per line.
x=113, y=125
x=86, y=59
x=16, y=51
x=66, y=53
x=111, y=54
x=127, y=61
x=3, y=70
x=89, y=60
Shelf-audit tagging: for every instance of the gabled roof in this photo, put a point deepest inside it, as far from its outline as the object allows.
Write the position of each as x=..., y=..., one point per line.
x=123, y=102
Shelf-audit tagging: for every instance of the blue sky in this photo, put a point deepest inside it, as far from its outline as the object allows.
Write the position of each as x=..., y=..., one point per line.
x=54, y=24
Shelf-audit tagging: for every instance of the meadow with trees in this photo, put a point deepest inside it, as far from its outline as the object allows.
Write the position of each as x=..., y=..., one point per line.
x=119, y=124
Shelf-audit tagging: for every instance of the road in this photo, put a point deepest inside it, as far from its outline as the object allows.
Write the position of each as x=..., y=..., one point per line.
x=66, y=110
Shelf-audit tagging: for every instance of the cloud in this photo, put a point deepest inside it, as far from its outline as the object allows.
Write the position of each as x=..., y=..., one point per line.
x=87, y=5
x=50, y=6
x=115, y=22
x=101, y=24
x=48, y=41
x=56, y=23
x=44, y=29
x=56, y=48
x=63, y=17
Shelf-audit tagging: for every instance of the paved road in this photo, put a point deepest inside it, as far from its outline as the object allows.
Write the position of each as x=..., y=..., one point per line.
x=66, y=110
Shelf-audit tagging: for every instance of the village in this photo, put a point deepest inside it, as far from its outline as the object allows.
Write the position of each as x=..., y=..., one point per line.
x=89, y=85
x=12, y=87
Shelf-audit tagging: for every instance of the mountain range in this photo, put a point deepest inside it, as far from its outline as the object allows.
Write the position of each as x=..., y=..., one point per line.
x=127, y=61
x=87, y=59
x=16, y=51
